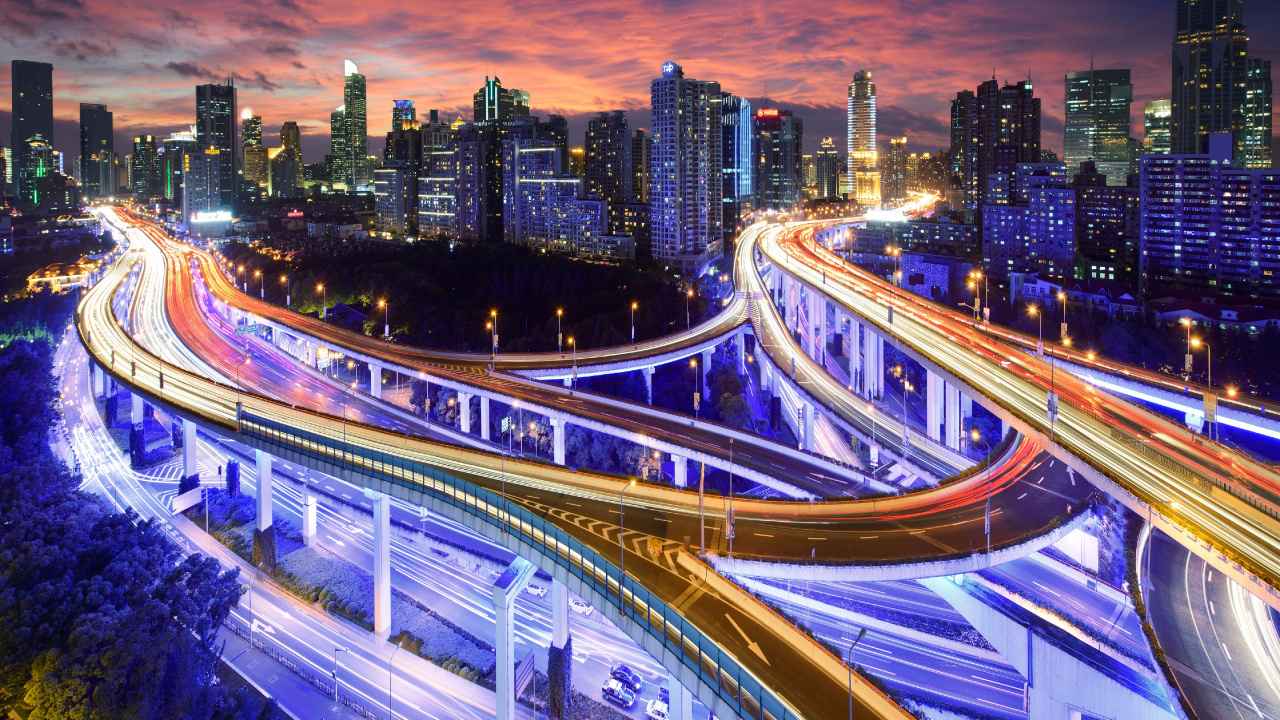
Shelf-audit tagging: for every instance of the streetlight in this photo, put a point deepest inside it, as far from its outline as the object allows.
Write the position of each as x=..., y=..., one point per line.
x=559, y=332
x=986, y=294
x=244, y=283
x=284, y=280
x=896, y=254
x=1035, y=311
x=622, y=545
x=252, y=619
x=337, y=650
x=688, y=321
x=324, y=307
x=391, y=674
x=697, y=396
x=852, y=645
x=262, y=286
x=493, y=351
x=633, y=324
x=1062, y=298
x=386, y=318
x=986, y=445
x=1208, y=353
x=1187, y=365
x=238, y=368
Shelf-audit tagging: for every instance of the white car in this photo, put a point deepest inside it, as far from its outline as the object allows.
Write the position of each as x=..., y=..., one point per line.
x=580, y=607
x=657, y=710
x=535, y=591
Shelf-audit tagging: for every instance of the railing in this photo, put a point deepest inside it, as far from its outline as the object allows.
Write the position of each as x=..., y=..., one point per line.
x=715, y=667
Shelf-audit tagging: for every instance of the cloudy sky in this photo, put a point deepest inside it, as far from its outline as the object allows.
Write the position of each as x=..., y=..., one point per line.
x=143, y=57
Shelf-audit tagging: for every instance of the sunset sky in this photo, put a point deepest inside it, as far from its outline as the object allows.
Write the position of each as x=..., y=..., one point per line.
x=143, y=57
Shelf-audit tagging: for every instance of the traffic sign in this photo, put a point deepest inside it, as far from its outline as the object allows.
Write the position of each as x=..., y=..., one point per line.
x=248, y=329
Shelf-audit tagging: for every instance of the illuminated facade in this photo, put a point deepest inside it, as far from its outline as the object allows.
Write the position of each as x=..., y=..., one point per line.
x=1000, y=130
x=893, y=173
x=202, y=177
x=1036, y=230
x=1097, y=122
x=97, y=151
x=737, y=167
x=608, y=158
x=349, y=133
x=826, y=164
x=145, y=175
x=686, y=193
x=777, y=136
x=864, y=176
x=392, y=201
x=216, y=128
x=32, y=88
x=1156, y=123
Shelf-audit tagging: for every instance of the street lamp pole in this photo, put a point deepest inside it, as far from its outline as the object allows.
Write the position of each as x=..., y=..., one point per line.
x=284, y=280
x=391, y=674
x=262, y=284
x=688, y=318
x=852, y=645
x=697, y=396
x=1208, y=353
x=337, y=650
x=386, y=319
x=493, y=351
x=575, y=362
x=633, y=324
x=1187, y=364
x=324, y=303
x=559, y=333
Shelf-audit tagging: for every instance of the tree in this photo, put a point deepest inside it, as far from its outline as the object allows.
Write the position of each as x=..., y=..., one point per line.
x=560, y=679
x=233, y=478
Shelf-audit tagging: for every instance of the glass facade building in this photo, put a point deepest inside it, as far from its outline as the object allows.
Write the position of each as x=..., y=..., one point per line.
x=1097, y=122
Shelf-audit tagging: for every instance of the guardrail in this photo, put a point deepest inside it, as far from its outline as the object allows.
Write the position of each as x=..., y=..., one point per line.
x=717, y=669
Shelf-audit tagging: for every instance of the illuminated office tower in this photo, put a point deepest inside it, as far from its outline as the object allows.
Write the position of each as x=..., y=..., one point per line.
x=201, y=184
x=864, y=173
x=1156, y=123
x=641, y=153
x=97, y=151
x=778, y=136
x=893, y=173
x=256, y=162
x=32, y=92
x=144, y=161
x=1003, y=132
x=339, y=154
x=827, y=168
x=1097, y=122
x=686, y=191
x=216, y=128
x=737, y=166
x=608, y=158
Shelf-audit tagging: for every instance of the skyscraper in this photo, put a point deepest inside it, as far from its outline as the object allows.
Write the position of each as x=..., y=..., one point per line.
x=893, y=176
x=1097, y=122
x=863, y=159
x=403, y=111
x=778, y=137
x=146, y=178
x=350, y=167
x=737, y=161
x=256, y=164
x=494, y=103
x=216, y=128
x=250, y=128
x=641, y=151
x=97, y=151
x=826, y=164
x=1155, y=127
x=32, y=87
x=608, y=158
x=1212, y=82
x=686, y=189
x=1003, y=132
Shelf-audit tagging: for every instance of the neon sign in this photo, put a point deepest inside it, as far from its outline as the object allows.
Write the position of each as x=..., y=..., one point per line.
x=211, y=216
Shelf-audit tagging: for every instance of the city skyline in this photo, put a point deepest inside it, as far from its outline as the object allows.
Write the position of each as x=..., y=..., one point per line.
x=287, y=61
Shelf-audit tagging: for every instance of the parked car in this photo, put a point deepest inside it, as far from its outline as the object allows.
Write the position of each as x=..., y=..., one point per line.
x=580, y=607
x=535, y=591
x=618, y=694
x=657, y=710
x=627, y=676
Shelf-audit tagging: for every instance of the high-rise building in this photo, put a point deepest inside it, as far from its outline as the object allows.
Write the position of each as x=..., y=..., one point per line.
x=349, y=133
x=1097, y=122
x=1107, y=222
x=826, y=164
x=216, y=128
x=685, y=196
x=250, y=128
x=737, y=165
x=97, y=151
x=394, y=193
x=778, y=139
x=1156, y=122
x=863, y=159
x=1208, y=227
x=172, y=163
x=201, y=184
x=32, y=92
x=1036, y=230
x=608, y=158
x=339, y=155
x=144, y=161
x=1212, y=82
x=808, y=174
x=495, y=103
x=641, y=151
x=285, y=166
x=403, y=113
x=1003, y=131
x=256, y=164
x=291, y=137
x=437, y=196
x=35, y=172
x=893, y=173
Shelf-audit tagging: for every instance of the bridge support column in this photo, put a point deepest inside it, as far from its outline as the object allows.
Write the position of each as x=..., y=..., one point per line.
x=505, y=591
x=484, y=418
x=136, y=414
x=934, y=403
x=680, y=471
x=375, y=380
x=189, y=449
x=464, y=411
x=263, y=489
x=814, y=324
x=381, y=562
x=308, y=518
x=706, y=369
x=559, y=614
x=953, y=417
x=97, y=380
x=826, y=328
x=809, y=443
x=742, y=351
x=648, y=383
x=557, y=440
x=874, y=366
x=681, y=705
x=309, y=355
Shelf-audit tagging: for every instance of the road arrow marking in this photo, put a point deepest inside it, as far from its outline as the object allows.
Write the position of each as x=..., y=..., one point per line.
x=336, y=540
x=1072, y=474
x=753, y=647
x=259, y=625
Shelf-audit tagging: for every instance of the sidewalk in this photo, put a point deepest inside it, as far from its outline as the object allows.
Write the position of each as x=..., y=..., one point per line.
x=297, y=698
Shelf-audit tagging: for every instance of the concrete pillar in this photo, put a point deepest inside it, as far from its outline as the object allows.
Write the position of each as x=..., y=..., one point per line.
x=742, y=351
x=135, y=416
x=874, y=369
x=681, y=705
x=375, y=380
x=559, y=614
x=966, y=407
x=310, y=355
x=933, y=402
x=557, y=440
x=484, y=418
x=189, y=449
x=953, y=417
x=464, y=410
x=814, y=326
x=308, y=518
x=706, y=370
x=809, y=443
x=648, y=383
x=826, y=326
x=680, y=471
x=506, y=589
x=97, y=380
x=381, y=562
x=264, y=489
